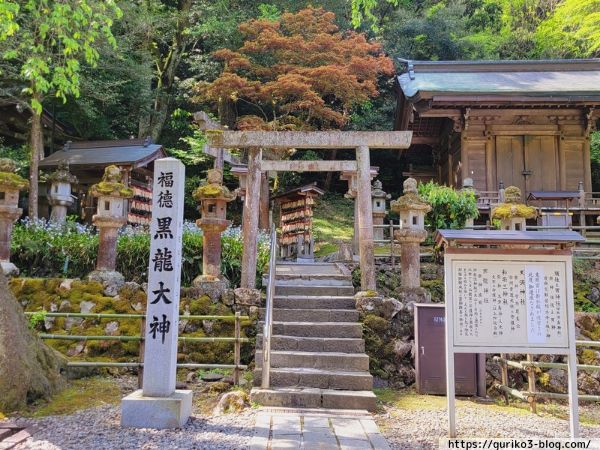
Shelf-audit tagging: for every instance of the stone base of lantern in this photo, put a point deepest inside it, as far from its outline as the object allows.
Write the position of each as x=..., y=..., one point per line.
x=174, y=411
x=410, y=296
x=208, y=285
x=112, y=281
x=9, y=269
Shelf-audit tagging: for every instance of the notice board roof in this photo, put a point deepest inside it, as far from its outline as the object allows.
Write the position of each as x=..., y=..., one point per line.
x=553, y=195
x=502, y=237
x=308, y=189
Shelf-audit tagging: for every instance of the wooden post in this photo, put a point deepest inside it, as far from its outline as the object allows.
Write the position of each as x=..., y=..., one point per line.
x=392, y=243
x=263, y=221
x=141, y=352
x=365, y=219
x=237, y=349
x=250, y=219
x=355, y=238
x=531, y=385
x=504, y=374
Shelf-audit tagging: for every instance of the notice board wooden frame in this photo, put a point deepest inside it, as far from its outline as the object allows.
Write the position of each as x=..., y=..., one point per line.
x=504, y=255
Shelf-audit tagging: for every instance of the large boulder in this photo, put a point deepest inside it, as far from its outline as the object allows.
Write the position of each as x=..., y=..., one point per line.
x=386, y=308
x=247, y=297
x=112, y=281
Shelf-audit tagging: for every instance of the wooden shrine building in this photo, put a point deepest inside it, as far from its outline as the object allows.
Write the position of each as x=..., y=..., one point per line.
x=87, y=161
x=521, y=123
x=295, y=219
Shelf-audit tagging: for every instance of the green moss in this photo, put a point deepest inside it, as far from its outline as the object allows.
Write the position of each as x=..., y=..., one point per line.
x=510, y=210
x=82, y=394
x=212, y=190
x=378, y=324
x=589, y=356
x=13, y=181
x=435, y=288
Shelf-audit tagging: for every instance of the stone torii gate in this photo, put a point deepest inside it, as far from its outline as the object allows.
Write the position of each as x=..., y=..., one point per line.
x=255, y=141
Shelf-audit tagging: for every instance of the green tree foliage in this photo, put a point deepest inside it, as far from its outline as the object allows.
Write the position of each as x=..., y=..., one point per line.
x=449, y=208
x=43, y=47
x=572, y=30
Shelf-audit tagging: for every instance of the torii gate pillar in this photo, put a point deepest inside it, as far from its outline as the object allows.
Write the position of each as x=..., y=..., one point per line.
x=365, y=218
x=250, y=219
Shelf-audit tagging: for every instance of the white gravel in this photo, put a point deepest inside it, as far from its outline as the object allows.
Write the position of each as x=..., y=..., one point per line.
x=420, y=429
x=99, y=429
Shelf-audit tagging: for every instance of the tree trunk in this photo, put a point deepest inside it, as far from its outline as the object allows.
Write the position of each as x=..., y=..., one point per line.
x=37, y=152
x=29, y=369
x=265, y=202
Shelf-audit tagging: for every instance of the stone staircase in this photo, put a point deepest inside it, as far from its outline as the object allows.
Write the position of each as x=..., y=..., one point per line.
x=317, y=352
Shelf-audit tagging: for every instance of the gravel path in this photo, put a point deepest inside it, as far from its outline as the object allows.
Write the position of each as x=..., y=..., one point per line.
x=420, y=429
x=98, y=429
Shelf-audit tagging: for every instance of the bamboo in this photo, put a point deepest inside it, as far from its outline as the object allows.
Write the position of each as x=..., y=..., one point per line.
x=135, y=364
x=141, y=353
x=588, y=343
x=594, y=398
x=231, y=318
x=546, y=365
x=135, y=338
x=531, y=384
x=509, y=391
x=237, y=350
x=504, y=375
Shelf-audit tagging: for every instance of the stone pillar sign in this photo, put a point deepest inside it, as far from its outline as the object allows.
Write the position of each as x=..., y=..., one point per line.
x=158, y=404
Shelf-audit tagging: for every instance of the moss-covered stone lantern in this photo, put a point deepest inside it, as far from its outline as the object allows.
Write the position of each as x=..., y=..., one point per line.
x=512, y=213
x=10, y=185
x=379, y=198
x=213, y=198
x=110, y=215
x=412, y=209
x=59, y=196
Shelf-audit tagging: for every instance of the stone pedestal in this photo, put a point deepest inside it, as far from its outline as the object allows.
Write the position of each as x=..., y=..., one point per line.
x=410, y=260
x=138, y=411
x=211, y=247
x=107, y=245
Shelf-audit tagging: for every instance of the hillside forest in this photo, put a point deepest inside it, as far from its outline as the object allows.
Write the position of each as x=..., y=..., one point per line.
x=115, y=69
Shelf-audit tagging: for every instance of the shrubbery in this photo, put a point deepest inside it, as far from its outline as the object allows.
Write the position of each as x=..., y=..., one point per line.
x=44, y=249
x=450, y=208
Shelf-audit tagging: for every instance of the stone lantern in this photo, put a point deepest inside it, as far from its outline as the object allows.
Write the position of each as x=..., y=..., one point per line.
x=60, y=197
x=110, y=215
x=379, y=199
x=412, y=209
x=213, y=198
x=469, y=185
x=241, y=173
x=10, y=185
x=512, y=213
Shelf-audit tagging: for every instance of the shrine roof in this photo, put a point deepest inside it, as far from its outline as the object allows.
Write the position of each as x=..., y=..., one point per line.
x=310, y=189
x=573, y=80
x=503, y=237
x=130, y=152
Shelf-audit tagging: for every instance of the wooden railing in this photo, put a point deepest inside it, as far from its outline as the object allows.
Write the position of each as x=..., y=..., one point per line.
x=529, y=366
x=237, y=340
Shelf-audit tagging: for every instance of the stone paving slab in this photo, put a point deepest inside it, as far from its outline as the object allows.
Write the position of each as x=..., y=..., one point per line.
x=286, y=428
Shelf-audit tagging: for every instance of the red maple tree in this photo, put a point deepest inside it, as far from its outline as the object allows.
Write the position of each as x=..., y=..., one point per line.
x=299, y=72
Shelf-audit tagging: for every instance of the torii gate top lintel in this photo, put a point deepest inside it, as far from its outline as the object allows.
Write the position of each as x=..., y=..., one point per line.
x=311, y=139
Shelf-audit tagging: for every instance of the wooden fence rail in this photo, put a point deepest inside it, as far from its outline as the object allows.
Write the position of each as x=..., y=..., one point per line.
x=529, y=366
x=237, y=340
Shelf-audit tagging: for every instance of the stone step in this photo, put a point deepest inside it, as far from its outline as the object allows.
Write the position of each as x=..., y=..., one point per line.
x=308, y=280
x=314, y=302
x=313, y=344
x=317, y=378
x=314, y=398
x=311, y=315
x=314, y=289
x=317, y=329
x=350, y=362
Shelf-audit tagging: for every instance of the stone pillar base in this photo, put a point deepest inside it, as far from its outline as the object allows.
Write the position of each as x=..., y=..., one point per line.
x=9, y=269
x=174, y=411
